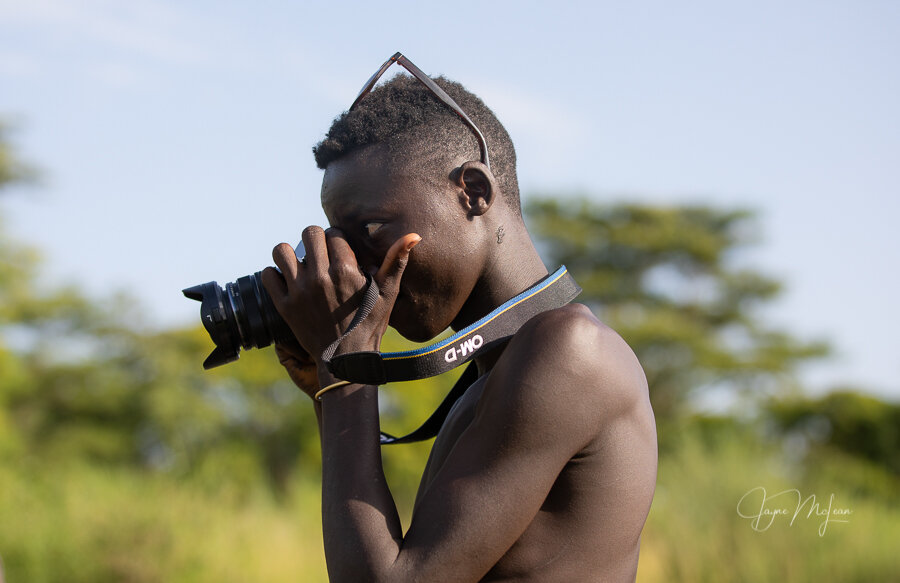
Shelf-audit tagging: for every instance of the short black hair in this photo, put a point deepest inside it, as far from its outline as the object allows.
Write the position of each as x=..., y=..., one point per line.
x=403, y=112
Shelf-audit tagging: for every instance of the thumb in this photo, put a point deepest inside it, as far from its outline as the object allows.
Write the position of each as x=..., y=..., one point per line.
x=388, y=276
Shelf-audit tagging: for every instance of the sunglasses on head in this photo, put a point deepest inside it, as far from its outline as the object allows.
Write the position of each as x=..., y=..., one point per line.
x=434, y=88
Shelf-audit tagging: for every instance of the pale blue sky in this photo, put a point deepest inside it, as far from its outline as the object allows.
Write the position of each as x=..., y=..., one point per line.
x=176, y=136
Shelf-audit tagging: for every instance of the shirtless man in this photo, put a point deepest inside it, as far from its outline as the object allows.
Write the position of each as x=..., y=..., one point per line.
x=546, y=468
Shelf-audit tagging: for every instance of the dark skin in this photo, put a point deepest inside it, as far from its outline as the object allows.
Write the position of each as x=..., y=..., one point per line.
x=546, y=469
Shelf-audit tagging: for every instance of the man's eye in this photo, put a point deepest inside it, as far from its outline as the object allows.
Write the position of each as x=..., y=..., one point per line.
x=372, y=228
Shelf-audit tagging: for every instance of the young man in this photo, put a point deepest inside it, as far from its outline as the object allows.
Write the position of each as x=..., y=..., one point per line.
x=546, y=467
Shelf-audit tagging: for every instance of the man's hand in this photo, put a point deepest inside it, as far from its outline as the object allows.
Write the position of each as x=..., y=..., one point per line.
x=318, y=296
x=299, y=365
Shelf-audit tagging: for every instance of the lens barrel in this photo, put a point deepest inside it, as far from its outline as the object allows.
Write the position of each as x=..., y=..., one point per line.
x=241, y=315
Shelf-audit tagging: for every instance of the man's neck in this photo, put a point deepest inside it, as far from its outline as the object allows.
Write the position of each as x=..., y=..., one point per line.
x=515, y=269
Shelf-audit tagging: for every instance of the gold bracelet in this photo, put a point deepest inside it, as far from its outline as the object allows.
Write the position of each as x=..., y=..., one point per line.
x=329, y=387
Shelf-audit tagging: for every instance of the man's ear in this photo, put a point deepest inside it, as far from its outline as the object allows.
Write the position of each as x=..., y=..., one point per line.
x=478, y=188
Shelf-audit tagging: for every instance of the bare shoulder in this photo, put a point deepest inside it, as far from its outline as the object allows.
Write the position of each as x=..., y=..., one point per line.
x=565, y=366
x=584, y=352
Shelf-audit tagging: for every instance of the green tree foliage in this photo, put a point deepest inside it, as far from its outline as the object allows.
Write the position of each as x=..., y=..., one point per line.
x=666, y=280
x=856, y=424
x=82, y=381
x=142, y=399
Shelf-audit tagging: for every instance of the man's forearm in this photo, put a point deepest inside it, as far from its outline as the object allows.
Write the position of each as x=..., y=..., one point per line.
x=362, y=530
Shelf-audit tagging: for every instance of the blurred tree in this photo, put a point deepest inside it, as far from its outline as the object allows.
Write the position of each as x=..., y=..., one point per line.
x=83, y=379
x=665, y=278
x=46, y=339
x=15, y=267
x=857, y=424
x=12, y=169
x=93, y=385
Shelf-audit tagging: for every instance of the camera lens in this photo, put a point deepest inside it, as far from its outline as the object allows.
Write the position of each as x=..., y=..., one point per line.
x=241, y=315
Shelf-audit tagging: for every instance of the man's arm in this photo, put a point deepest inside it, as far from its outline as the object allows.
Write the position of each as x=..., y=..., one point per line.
x=562, y=379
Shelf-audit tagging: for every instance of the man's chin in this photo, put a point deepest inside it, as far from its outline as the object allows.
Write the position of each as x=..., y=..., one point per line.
x=413, y=327
x=413, y=331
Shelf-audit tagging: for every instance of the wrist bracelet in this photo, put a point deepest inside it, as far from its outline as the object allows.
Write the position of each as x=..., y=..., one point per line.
x=329, y=387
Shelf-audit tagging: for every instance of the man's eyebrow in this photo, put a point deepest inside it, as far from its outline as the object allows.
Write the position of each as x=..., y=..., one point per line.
x=356, y=210
x=355, y=213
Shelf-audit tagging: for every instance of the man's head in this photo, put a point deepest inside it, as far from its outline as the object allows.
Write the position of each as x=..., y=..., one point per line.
x=402, y=161
x=416, y=126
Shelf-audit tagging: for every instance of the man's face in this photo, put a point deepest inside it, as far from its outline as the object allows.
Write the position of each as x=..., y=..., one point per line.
x=374, y=202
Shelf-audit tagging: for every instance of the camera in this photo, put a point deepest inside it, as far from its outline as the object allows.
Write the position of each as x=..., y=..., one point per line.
x=240, y=315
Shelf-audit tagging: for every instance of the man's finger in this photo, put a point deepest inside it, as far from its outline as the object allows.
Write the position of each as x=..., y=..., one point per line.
x=339, y=251
x=316, y=249
x=274, y=283
x=284, y=257
x=388, y=276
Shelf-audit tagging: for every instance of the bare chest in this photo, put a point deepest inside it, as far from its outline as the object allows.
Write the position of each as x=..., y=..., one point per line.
x=457, y=421
x=561, y=541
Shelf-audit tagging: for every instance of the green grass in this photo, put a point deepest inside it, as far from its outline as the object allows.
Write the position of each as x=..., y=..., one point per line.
x=694, y=532
x=79, y=523
x=88, y=524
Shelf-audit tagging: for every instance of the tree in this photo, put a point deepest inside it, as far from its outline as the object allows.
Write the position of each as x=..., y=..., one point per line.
x=845, y=419
x=82, y=380
x=12, y=169
x=666, y=279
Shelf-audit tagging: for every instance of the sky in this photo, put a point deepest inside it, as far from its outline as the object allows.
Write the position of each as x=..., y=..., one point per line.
x=174, y=138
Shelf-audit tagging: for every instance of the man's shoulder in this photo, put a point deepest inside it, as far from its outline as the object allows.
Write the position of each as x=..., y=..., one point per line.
x=573, y=336
x=575, y=325
x=583, y=361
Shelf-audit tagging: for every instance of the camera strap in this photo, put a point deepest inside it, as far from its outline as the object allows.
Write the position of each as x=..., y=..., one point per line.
x=376, y=368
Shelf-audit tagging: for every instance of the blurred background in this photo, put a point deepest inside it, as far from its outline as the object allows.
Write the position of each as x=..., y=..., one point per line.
x=720, y=178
